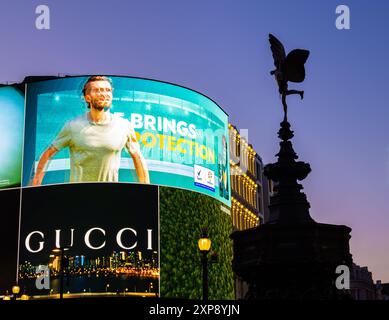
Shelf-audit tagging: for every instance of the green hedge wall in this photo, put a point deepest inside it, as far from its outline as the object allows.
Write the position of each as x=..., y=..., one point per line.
x=183, y=214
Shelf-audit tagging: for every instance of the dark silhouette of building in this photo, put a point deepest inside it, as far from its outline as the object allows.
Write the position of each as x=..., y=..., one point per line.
x=382, y=291
x=362, y=286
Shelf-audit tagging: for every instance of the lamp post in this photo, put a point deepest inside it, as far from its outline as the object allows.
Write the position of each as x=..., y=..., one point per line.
x=15, y=291
x=61, y=271
x=204, y=245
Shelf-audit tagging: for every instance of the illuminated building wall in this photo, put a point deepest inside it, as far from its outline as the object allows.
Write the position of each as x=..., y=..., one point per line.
x=249, y=188
x=249, y=191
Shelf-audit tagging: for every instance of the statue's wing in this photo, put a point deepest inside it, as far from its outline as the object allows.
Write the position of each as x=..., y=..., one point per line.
x=278, y=51
x=294, y=65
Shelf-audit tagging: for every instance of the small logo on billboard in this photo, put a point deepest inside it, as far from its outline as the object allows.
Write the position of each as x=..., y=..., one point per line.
x=204, y=178
x=198, y=177
x=210, y=179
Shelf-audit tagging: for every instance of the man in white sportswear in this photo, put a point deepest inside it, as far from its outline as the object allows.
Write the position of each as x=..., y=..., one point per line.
x=96, y=140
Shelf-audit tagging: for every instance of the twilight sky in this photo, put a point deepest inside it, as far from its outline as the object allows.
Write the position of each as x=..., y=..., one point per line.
x=220, y=48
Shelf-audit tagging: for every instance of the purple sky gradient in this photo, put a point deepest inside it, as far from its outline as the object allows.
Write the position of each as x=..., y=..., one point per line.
x=220, y=48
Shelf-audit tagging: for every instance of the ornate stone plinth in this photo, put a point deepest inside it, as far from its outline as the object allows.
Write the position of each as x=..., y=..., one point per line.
x=291, y=256
x=291, y=261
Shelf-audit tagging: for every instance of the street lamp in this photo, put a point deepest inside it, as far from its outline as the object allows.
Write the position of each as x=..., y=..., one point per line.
x=61, y=250
x=204, y=244
x=15, y=291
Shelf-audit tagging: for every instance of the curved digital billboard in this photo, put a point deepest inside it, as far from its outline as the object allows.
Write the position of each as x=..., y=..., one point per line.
x=109, y=237
x=121, y=129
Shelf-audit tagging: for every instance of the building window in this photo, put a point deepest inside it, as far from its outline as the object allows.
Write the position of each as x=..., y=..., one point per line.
x=255, y=199
x=251, y=195
x=231, y=144
x=248, y=194
x=258, y=169
x=244, y=189
x=233, y=214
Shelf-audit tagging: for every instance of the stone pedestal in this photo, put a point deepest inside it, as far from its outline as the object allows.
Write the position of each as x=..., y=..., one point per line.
x=291, y=256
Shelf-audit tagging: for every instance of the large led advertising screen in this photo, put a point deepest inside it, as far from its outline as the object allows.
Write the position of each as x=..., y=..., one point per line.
x=121, y=129
x=11, y=142
x=109, y=234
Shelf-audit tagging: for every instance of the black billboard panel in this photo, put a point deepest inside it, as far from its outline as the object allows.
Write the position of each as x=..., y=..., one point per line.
x=10, y=200
x=103, y=236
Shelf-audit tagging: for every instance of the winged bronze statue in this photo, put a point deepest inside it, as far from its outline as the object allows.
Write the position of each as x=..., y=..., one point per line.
x=288, y=68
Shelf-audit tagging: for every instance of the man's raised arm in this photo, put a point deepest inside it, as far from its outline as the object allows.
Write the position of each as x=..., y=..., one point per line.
x=42, y=164
x=141, y=168
x=139, y=161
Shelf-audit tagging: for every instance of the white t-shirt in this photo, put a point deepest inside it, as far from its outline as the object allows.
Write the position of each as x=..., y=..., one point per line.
x=95, y=148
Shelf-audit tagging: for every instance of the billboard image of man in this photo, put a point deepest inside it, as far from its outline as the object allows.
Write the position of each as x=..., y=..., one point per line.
x=96, y=140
